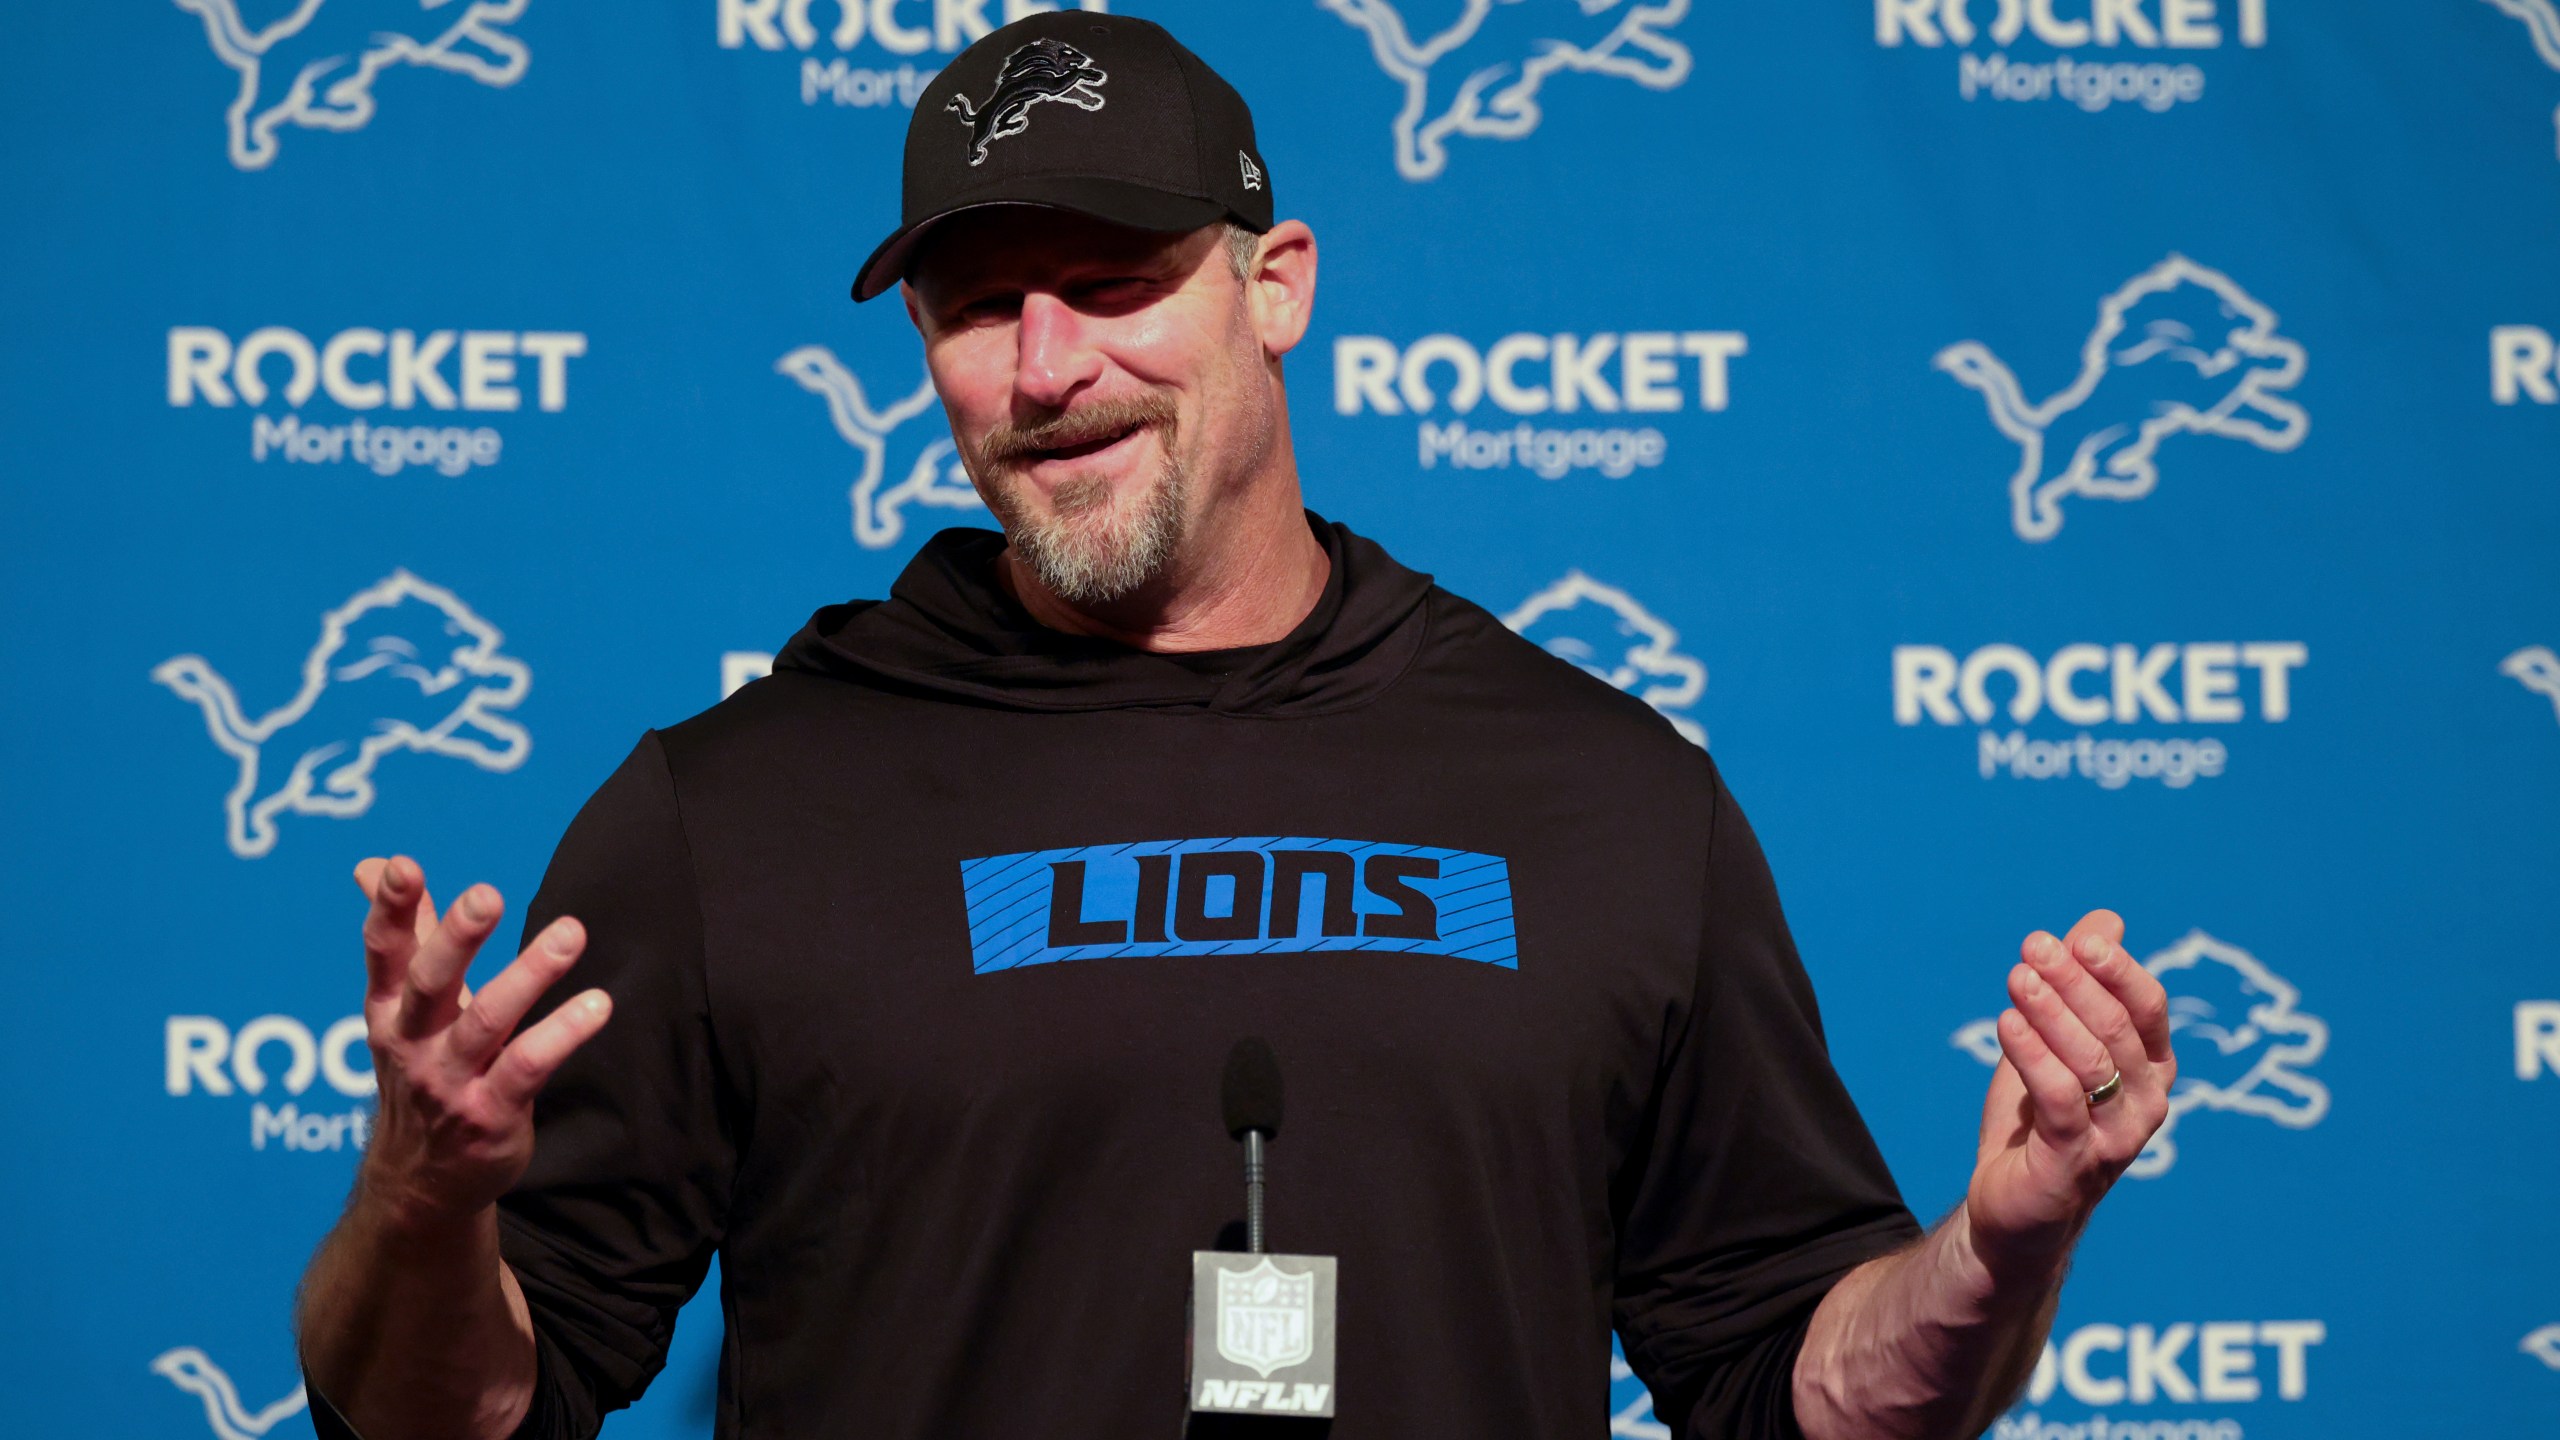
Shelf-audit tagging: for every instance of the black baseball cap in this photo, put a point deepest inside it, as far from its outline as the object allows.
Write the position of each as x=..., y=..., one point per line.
x=1105, y=115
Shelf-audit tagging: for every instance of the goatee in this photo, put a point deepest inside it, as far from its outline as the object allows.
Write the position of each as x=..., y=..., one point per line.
x=1093, y=546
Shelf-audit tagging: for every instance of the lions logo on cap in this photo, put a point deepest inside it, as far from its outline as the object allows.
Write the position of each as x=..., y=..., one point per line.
x=1042, y=70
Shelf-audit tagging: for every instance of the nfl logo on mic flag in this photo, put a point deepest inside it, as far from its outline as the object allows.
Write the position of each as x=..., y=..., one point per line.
x=1261, y=1333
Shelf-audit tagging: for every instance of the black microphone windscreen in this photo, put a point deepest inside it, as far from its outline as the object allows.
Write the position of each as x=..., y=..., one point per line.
x=1250, y=1093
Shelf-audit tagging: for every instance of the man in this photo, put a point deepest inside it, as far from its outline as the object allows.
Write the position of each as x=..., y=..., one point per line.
x=921, y=956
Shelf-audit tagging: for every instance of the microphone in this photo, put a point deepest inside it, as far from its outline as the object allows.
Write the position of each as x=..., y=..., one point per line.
x=1262, y=1336
x=1249, y=1097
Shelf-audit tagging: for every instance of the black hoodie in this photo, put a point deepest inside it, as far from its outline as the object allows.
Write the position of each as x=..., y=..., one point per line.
x=927, y=950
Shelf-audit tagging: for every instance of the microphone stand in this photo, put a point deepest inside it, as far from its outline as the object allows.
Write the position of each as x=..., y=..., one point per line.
x=1253, y=1192
x=1261, y=1341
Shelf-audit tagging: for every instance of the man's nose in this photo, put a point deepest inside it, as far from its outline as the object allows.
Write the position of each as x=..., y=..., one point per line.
x=1056, y=357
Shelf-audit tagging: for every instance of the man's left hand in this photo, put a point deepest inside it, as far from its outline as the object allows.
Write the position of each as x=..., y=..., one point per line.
x=2082, y=1010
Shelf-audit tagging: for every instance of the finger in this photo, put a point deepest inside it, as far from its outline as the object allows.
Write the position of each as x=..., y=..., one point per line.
x=431, y=997
x=526, y=1064
x=485, y=1025
x=369, y=874
x=2107, y=925
x=2067, y=971
x=427, y=911
x=390, y=925
x=2061, y=1106
x=2145, y=1000
x=2064, y=1032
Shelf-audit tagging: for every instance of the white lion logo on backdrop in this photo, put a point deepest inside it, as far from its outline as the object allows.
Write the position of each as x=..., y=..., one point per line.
x=2242, y=1043
x=933, y=476
x=2542, y=21
x=1631, y=1414
x=191, y=1370
x=403, y=665
x=2179, y=349
x=2537, y=669
x=1480, y=77
x=1602, y=629
x=316, y=65
x=2544, y=1345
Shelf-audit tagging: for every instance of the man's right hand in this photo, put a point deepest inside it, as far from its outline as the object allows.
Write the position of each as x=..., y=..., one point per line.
x=454, y=1122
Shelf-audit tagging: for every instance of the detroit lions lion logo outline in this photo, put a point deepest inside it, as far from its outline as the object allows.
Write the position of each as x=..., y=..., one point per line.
x=399, y=641
x=1043, y=69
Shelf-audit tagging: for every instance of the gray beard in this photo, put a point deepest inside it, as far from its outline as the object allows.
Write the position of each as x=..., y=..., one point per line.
x=1085, y=553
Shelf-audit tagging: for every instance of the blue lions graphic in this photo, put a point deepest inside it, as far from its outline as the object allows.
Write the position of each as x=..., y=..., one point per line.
x=316, y=65
x=2179, y=350
x=2243, y=1043
x=1481, y=76
x=403, y=665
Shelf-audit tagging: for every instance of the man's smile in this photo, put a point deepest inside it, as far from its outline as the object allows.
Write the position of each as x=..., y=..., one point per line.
x=1082, y=449
x=1104, y=439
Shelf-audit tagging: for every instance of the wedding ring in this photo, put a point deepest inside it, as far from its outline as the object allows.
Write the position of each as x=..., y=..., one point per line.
x=2107, y=1092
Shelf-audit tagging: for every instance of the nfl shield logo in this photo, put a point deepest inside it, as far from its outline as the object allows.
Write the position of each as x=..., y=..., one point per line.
x=1266, y=1319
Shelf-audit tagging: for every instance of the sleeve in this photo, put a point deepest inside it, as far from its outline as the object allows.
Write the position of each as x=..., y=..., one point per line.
x=1755, y=1185
x=614, y=1223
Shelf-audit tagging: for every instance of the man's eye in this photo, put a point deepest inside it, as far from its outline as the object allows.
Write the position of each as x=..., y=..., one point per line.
x=1112, y=287
x=986, y=308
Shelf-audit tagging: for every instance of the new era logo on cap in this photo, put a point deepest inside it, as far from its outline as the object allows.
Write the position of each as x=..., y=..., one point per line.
x=1106, y=115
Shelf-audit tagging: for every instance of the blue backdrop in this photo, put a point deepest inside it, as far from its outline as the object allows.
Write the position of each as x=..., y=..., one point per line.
x=2057, y=452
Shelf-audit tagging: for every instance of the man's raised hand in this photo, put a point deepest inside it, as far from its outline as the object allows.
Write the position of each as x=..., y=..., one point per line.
x=2082, y=1009
x=455, y=1123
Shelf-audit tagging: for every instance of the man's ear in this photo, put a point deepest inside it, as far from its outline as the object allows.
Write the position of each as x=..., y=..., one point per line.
x=1281, y=291
x=915, y=310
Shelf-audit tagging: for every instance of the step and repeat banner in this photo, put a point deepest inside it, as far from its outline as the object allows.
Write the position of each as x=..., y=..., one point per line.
x=2056, y=452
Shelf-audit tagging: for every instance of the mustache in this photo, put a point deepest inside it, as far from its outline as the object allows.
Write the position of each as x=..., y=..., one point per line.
x=1082, y=425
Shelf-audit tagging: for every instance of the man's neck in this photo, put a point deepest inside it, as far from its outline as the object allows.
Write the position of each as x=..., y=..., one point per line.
x=1252, y=576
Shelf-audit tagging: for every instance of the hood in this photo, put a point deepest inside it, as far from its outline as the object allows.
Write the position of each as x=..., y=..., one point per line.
x=949, y=629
